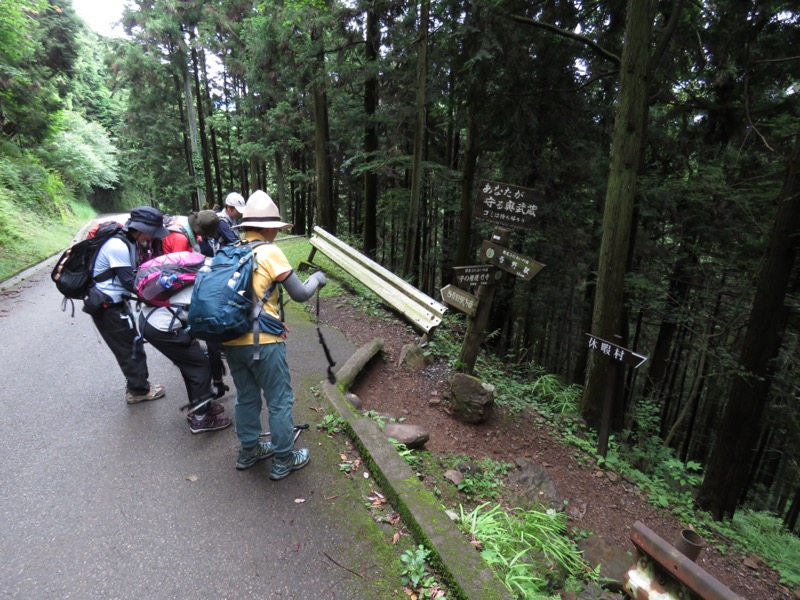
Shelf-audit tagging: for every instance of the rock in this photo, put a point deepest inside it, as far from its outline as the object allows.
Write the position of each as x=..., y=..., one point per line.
x=413, y=436
x=614, y=560
x=468, y=468
x=413, y=358
x=472, y=400
x=453, y=475
x=532, y=485
x=354, y=401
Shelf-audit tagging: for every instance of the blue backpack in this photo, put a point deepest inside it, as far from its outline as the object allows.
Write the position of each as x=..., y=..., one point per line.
x=223, y=307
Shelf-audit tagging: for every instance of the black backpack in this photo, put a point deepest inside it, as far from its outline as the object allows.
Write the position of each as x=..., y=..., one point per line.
x=73, y=271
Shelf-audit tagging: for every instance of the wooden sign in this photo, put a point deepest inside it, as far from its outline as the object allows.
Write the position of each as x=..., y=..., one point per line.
x=507, y=204
x=475, y=275
x=629, y=357
x=499, y=256
x=458, y=298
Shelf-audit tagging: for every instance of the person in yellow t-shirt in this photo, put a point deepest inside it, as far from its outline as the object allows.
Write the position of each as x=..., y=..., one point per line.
x=269, y=374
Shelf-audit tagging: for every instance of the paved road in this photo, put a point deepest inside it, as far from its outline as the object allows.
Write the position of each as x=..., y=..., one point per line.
x=103, y=500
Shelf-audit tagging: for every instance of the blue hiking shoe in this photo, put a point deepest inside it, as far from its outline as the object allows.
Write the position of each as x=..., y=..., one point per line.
x=250, y=456
x=282, y=467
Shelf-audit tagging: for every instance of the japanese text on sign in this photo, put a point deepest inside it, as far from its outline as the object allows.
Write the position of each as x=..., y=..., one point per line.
x=507, y=204
x=615, y=352
x=459, y=299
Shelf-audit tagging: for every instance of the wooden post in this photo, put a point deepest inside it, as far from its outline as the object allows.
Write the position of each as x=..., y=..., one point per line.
x=476, y=328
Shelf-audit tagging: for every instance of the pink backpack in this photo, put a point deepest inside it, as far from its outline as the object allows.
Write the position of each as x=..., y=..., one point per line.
x=158, y=279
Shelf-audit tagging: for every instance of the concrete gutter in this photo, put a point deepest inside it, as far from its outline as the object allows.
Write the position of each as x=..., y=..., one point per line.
x=466, y=574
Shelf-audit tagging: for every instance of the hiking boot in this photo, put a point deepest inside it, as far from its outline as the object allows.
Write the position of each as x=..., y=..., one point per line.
x=249, y=456
x=214, y=408
x=282, y=467
x=208, y=422
x=156, y=391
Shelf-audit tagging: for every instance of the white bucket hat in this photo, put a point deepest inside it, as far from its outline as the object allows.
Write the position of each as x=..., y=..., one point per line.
x=236, y=200
x=260, y=211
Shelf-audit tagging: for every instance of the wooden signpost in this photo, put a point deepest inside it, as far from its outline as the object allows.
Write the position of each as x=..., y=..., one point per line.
x=475, y=275
x=523, y=267
x=507, y=205
x=510, y=206
x=620, y=356
x=458, y=298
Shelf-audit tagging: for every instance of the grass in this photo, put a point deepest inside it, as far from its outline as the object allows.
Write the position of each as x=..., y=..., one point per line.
x=27, y=238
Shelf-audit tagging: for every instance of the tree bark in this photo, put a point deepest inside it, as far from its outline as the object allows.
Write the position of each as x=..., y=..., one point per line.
x=620, y=193
x=373, y=40
x=412, y=229
x=729, y=463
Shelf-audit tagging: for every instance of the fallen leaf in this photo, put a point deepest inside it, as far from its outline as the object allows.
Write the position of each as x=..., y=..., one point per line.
x=192, y=478
x=396, y=537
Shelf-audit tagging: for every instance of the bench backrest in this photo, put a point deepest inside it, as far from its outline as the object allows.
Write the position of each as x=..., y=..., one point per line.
x=421, y=310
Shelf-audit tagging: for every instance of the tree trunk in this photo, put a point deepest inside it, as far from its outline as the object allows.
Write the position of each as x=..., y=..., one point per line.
x=412, y=229
x=618, y=210
x=729, y=463
x=373, y=41
x=326, y=215
x=201, y=121
x=191, y=120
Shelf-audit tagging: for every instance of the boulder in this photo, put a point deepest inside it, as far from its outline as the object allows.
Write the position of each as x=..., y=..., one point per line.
x=412, y=358
x=532, y=485
x=354, y=401
x=471, y=400
x=413, y=436
x=614, y=560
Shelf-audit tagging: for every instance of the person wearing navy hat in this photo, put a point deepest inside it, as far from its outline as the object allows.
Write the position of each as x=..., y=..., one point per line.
x=114, y=318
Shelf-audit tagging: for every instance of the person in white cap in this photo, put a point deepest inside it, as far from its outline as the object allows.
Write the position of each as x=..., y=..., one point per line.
x=228, y=218
x=269, y=373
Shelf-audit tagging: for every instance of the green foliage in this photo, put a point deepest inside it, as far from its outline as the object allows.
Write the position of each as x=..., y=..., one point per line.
x=83, y=153
x=485, y=482
x=765, y=535
x=331, y=424
x=523, y=546
x=416, y=574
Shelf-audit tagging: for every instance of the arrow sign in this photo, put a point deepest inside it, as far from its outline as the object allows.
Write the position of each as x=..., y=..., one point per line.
x=499, y=256
x=458, y=298
x=629, y=357
x=475, y=275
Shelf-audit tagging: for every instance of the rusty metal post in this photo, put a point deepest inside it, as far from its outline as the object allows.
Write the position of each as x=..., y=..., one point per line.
x=663, y=573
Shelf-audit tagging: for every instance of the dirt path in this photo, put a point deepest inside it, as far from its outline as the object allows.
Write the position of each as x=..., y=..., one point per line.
x=600, y=505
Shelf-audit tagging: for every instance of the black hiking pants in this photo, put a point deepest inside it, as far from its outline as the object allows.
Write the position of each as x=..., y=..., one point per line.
x=186, y=354
x=118, y=329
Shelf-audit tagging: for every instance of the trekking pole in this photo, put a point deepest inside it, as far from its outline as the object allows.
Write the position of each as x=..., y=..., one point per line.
x=331, y=364
x=298, y=429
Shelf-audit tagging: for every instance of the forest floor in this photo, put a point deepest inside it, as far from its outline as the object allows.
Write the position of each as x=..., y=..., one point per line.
x=607, y=508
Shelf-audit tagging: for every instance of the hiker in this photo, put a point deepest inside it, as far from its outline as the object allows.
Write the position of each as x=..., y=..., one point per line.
x=191, y=233
x=194, y=233
x=164, y=327
x=228, y=218
x=113, y=317
x=269, y=375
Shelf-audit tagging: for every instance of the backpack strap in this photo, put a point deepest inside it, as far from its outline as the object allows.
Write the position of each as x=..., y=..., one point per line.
x=109, y=273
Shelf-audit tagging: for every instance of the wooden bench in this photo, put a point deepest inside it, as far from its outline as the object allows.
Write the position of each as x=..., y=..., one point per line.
x=422, y=311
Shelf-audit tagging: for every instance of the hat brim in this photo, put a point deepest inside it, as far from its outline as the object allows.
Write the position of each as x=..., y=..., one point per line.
x=260, y=223
x=157, y=231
